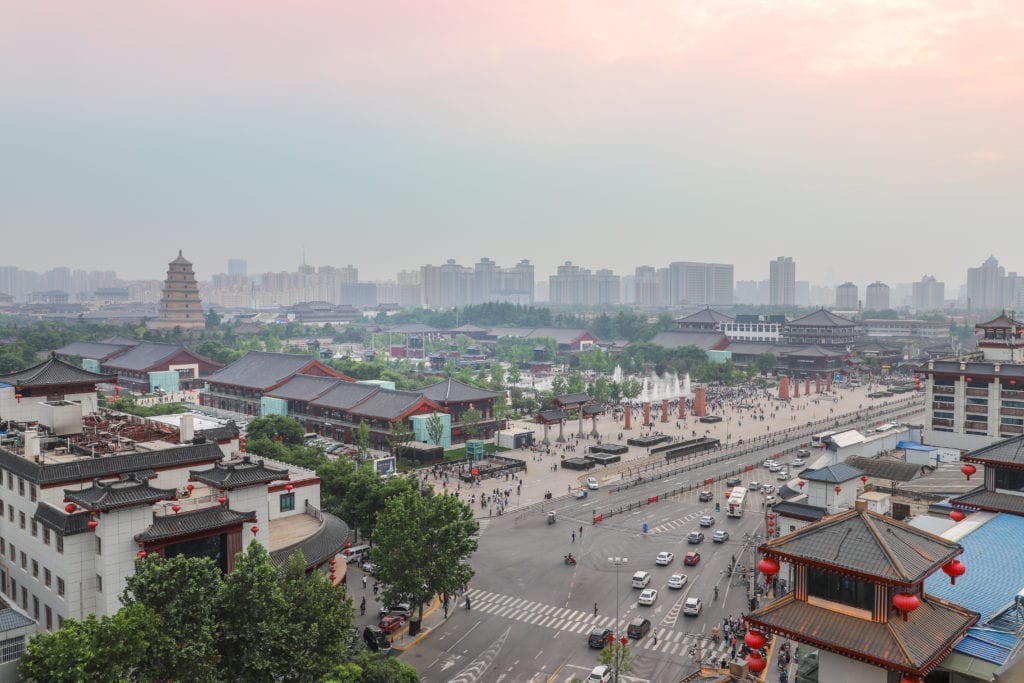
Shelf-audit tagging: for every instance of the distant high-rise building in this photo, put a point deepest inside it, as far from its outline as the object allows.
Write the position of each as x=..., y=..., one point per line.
x=782, y=282
x=708, y=284
x=803, y=293
x=876, y=297
x=846, y=297
x=238, y=266
x=985, y=285
x=180, y=305
x=575, y=286
x=647, y=286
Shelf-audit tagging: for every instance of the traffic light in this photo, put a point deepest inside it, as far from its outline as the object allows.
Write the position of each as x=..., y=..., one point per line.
x=718, y=507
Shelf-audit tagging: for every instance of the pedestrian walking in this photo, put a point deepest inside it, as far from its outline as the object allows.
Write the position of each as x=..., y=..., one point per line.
x=581, y=532
x=595, y=609
x=654, y=635
x=574, y=537
x=364, y=582
x=467, y=603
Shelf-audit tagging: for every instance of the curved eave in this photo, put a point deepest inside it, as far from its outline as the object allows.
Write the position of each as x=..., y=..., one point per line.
x=319, y=547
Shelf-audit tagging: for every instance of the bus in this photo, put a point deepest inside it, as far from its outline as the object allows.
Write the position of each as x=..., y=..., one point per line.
x=818, y=440
x=735, y=504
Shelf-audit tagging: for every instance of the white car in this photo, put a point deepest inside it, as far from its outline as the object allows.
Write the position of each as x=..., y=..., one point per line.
x=774, y=467
x=600, y=674
x=770, y=501
x=798, y=462
x=592, y=483
x=691, y=607
x=648, y=596
x=783, y=475
x=664, y=558
x=677, y=581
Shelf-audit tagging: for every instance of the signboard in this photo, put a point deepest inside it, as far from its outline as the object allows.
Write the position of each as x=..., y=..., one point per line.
x=385, y=467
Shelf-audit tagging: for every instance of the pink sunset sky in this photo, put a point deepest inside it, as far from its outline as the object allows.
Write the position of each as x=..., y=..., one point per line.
x=869, y=140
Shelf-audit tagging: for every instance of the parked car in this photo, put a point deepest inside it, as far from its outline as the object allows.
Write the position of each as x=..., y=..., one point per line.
x=768, y=463
x=664, y=558
x=592, y=483
x=598, y=637
x=705, y=496
x=774, y=466
x=677, y=581
x=402, y=609
x=707, y=520
x=695, y=537
x=391, y=623
x=691, y=559
x=691, y=607
x=638, y=628
x=600, y=674
x=720, y=536
x=648, y=596
x=376, y=639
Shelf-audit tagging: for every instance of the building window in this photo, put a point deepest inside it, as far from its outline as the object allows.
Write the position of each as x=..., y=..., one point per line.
x=46, y=535
x=60, y=544
x=3, y=547
x=35, y=569
x=49, y=618
x=12, y=649
x=10, y=512
x=24, y=560
x=32, y=492
x=842, y=589
x=60, y=587
x=10, y=481
x=47, y=577
x=24, y=598
x=21, y=519
x=99, y=583
x=14, y=553
x=287, y=502
x=35, y=528
x=35, y=608
x=99, y=545
x=21, y=486
x=14, y=589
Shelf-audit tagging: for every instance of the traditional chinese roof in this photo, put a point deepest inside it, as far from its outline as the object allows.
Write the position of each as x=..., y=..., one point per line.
x=707, y=341
x=100, y=351
x=123, y=493
x=992, y=501
x=187, y=523
x=60, y=521
x=832, y=474
x=345, y=395
x=1000, y=321
x=468, y=329
x=812, y=351
x=86, y=469
x=808, y=513
x=305, y=388
x=572, y=399
x=54, y=372
x=913, y=646
x=147, y=355
x=11, y=619
x=452, y=390
x=321, y=546
x=411, y=328
x=821, y=318
x=592, y=409
x=262, y=370
x=866, y=544
x=391, y=405
x=180, y=261
x=1005, y=453
x=551, y=416
x=885, y=468
x=708, y=316
x=237, y=474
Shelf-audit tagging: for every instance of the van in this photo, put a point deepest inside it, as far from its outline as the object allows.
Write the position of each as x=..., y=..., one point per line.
x=641, y=579
x=357, y=553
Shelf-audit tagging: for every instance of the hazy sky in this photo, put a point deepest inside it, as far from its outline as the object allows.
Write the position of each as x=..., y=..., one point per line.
x=871, y=139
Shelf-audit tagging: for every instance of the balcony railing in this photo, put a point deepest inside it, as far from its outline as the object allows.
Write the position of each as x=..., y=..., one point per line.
x=1016, y=412
x=942, y=422
x=1012, y=393
x=942, y=389
x=976, y=424
x=972, y=391
x=1011, y=429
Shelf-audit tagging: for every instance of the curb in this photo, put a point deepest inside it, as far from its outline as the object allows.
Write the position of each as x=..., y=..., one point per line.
x=422, y=634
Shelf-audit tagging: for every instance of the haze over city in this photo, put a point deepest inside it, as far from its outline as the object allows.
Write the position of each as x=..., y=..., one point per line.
x=867, y=140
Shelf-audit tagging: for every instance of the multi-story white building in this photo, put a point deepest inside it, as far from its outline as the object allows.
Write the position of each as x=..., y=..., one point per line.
x=846, y=297
x=929, y=294
x=782, y=282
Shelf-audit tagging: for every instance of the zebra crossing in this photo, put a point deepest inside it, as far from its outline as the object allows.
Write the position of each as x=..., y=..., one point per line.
x=675, y=524
x=581, y=623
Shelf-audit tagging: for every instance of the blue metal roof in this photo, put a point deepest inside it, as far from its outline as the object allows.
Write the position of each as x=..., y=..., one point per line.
x=914, y=446
x=991, y=646
x=994, y=576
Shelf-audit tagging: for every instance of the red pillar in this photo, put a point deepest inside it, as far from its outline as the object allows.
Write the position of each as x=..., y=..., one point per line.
x=817, y=384
x=784, y=388
x=629, y=414
x=807, y=386
x=682, y=408
x=664, y=410
x=828, y=383
x=796, y=388
x=700, y=408
x=647, y=414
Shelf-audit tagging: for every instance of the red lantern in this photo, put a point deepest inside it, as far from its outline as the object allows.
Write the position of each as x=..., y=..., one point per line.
x=610, y=638
x=18, y=397
x=864, y=479
x=288, y=488
x=624, y=641
x=756, y=662
x=93, y=524
x=70, y=508
x=241, y=444
x=957, y=516
x=968, y=470
x=771, y=515
x=768, y=566
x=176, y=508
x=474, y=471
x=953, y=569
x=222, y=500
x=141, y=554
x=801, y=483
x=906, y=603
x=189, y=488
x=255, y=530
x=754, y=639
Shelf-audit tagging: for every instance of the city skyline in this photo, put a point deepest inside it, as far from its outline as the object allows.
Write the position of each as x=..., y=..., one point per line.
x=582, y=131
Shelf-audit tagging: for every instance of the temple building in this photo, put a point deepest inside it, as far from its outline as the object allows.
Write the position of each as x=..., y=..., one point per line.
x=180, y=305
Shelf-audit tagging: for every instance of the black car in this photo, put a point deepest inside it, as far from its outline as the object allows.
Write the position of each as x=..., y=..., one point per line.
x=376, y=639
x=599, y=637
x=638, y=628
x=705, y=496
x=733, y=481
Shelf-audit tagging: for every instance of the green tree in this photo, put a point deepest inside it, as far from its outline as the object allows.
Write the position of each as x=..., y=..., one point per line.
x=514, y=375
x=362, y=440
x=617, y=657
x=631, y=387
x=422, y=545
x=370, y=668
x=435, y=428
x=765, y=363
x=471, y=422
x=398, y=435
x=276, y=428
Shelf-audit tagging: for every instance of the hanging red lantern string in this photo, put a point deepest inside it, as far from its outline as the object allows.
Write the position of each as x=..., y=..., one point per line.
x=755, y=640
x=953, y=569
x=768, y=566
x=255, y=530
x=756, y=662
x=906, y=603
x=968, y=470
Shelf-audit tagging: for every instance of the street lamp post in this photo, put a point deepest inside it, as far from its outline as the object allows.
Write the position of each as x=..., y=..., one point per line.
x=618, y=562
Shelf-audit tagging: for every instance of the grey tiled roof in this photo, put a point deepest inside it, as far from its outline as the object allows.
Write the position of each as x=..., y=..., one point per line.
x=561, y=335
x=572, y=399
x=53, y=371
x=832, y=474
x=704, y=317
x=592, y=410
x=917, y=644
x=821, y=318
x=810, y=513
x=60, y=521
x=325, y=543
x=147, y=355
x=884, y=468
x=261, y=370
x=1012, y=371
x=388, y=405
x=813, y=351
x=552, y=415
x=103, y=496
x=345, y=395
x=454, y=390
x=94, y=350
x=305, y=388
x=412, y=328
x=207, y=519
x=868, y=544
x=11, y=619
x=85, y=469
x=1006, y=452
x=983, y=499
x=233, y=475
x=675, y=339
